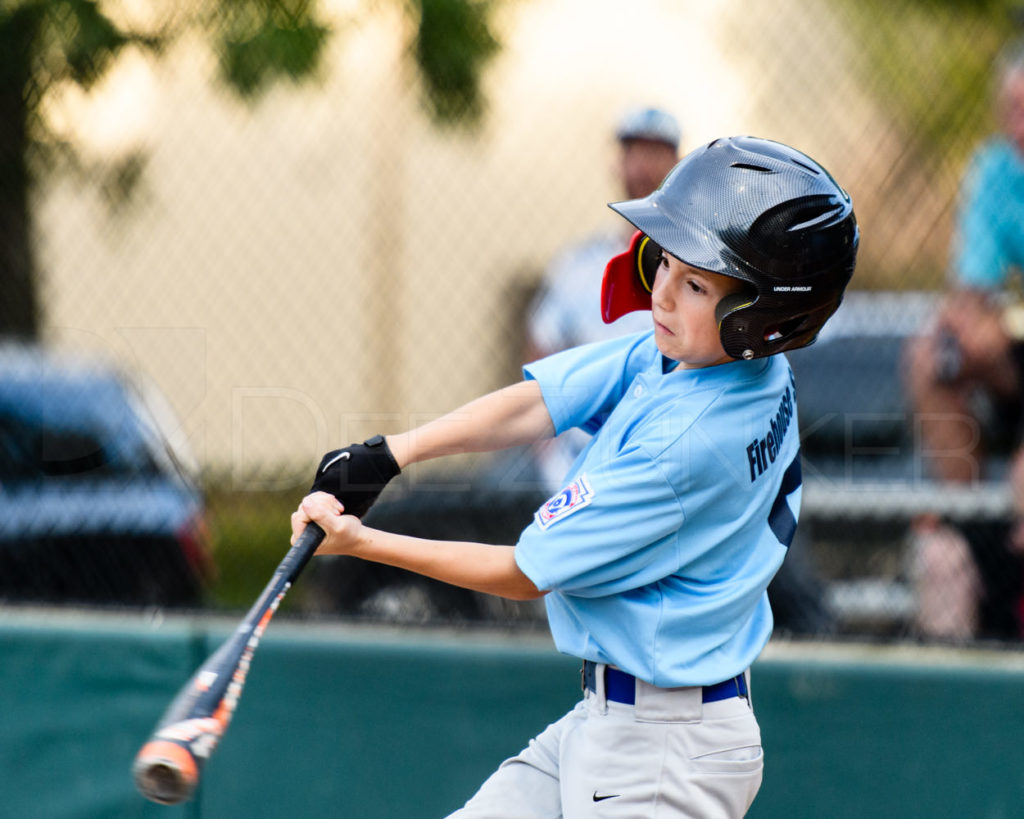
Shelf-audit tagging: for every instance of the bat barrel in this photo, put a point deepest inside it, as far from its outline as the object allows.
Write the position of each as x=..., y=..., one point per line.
x=165, y=772
x=167, y=768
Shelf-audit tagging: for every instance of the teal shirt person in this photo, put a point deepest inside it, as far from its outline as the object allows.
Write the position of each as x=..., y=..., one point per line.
x=989, y=240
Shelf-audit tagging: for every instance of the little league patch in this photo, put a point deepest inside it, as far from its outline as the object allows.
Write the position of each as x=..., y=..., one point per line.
x=571, y=499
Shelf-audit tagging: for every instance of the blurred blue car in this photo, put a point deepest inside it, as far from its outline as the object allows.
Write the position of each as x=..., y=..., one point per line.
x=96, y=506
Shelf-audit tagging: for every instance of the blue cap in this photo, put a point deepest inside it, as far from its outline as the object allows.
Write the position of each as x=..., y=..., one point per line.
x=649, y=123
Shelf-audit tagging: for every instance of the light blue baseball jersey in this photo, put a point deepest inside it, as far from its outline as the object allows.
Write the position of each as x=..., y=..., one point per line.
x=989, y=240
x=658, y=552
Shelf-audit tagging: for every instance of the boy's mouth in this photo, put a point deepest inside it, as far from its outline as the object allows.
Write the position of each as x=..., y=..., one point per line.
x=661, y=328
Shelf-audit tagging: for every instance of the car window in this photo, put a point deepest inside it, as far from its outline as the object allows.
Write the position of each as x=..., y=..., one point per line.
x=69, y=429
x=28, y=451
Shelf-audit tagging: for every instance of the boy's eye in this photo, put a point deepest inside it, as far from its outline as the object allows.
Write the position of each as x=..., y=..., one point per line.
x=695, y=286
x=662, y=259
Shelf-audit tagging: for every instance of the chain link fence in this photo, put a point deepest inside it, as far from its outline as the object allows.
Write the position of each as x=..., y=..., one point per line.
x=319, y=259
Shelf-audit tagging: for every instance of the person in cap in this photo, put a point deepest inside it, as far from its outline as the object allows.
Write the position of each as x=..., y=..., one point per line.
x=565, y=311
x=654, y=557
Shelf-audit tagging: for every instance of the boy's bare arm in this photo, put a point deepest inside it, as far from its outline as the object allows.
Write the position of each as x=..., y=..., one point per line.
x=508, y=417
x=477, y=566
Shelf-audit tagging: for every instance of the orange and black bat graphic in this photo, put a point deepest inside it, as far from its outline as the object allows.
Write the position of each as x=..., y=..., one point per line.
x=168, y=766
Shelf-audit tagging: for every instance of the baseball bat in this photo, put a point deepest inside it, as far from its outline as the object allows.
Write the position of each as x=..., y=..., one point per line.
x=168, y=766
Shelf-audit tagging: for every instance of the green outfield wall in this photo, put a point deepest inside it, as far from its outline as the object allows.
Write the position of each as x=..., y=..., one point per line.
x=371, y=723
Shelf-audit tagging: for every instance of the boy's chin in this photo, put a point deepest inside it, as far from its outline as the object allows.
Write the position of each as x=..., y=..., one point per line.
x=665, y=349
x=694, y=362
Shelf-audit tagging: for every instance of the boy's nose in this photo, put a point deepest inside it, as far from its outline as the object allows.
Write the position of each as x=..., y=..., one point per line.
x=661, y=293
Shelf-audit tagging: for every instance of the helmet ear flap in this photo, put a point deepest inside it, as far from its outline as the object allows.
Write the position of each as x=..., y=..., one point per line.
x=629, y=278
x=732, y=303
x=737, y=340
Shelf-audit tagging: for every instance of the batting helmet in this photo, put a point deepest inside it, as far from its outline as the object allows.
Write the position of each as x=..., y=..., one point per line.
x=754, y=210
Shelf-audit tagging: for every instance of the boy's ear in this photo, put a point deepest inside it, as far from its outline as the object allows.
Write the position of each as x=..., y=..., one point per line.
x=629, y=278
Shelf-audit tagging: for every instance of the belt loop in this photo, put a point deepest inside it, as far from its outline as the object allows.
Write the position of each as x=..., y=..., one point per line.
x=601, y=686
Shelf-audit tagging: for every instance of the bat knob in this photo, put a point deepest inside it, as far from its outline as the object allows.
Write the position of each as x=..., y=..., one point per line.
x=165, y=772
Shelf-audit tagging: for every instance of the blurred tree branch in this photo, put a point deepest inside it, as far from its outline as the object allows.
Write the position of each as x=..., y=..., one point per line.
x=47, y=43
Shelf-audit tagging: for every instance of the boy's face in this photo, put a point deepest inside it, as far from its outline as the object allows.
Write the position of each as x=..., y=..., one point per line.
x=683, y=307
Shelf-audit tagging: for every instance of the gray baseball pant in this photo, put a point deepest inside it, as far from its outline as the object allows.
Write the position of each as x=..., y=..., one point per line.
x=670, y=755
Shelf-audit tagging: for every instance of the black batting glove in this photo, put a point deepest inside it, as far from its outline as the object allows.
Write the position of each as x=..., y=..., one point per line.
x=357, y=474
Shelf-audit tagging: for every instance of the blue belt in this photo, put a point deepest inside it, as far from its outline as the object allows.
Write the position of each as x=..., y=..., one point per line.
x=621, y=687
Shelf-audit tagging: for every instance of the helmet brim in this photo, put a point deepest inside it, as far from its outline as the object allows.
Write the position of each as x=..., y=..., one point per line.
x=691, y=243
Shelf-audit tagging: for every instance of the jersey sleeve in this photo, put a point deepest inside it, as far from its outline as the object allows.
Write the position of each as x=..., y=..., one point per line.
x=581, y=386
x=611, y=531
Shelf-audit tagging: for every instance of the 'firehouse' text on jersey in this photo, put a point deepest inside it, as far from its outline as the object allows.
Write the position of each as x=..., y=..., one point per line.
x=764, y=451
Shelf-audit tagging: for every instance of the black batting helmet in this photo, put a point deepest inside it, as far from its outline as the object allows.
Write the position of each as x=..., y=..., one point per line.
x=755, y=210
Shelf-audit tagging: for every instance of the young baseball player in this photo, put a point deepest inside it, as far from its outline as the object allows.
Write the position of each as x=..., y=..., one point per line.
x=655, y=557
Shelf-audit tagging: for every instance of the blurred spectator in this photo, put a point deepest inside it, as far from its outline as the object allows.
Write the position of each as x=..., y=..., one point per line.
x=566, y=311
x=966, y=371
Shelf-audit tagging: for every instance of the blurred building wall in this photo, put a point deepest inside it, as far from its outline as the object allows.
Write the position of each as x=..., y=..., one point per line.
x=328, y=264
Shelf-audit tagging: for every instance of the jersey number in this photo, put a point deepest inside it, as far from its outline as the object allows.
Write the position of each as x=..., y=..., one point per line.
x=781, y=519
